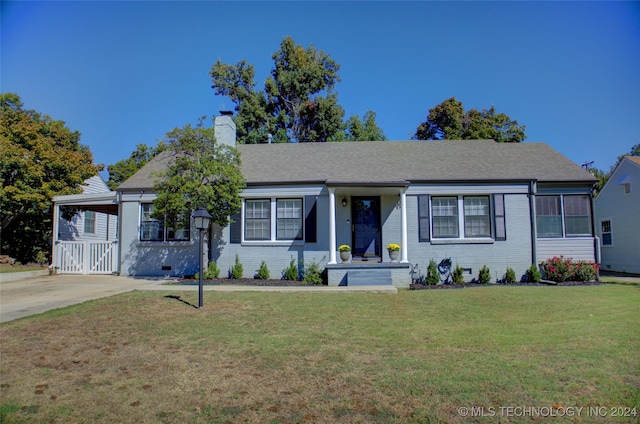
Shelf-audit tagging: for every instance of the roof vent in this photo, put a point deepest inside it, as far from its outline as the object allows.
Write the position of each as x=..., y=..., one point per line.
x=226, y=113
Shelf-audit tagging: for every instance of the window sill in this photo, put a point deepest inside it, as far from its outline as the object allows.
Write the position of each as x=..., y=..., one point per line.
x=273, y=243
x=463, y=241
x=149, y=243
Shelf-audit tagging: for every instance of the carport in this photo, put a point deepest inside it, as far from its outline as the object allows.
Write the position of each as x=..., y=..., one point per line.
x=87, y=255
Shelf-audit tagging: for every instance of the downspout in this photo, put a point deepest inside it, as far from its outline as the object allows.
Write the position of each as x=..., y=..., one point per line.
x=596, y=239
x=119, y=232
x=533, y=188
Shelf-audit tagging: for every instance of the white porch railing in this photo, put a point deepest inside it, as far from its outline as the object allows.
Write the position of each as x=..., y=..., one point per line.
x=86, y=257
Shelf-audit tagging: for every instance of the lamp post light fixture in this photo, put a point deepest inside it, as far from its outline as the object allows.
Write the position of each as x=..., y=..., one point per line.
x=201, y=220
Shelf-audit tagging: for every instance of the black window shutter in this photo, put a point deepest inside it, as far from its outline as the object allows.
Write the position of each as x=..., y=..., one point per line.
x=500, y=224
x=423, y=218
x=310, y=219
x=235, y=229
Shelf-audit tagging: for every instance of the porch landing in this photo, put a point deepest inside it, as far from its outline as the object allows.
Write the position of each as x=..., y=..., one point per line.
x=379, y=274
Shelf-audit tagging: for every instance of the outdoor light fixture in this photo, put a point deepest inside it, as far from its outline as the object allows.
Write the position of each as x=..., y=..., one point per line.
x=344, y=202
x=201, y=220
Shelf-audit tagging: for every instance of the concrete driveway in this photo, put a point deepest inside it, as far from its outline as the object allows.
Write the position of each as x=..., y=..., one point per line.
x=36, y=295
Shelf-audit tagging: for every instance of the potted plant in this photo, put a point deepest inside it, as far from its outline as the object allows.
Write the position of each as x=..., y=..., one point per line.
x=345, y=252
x=394, y=251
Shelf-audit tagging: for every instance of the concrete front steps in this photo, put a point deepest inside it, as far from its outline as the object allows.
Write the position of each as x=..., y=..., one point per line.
x=369, y=277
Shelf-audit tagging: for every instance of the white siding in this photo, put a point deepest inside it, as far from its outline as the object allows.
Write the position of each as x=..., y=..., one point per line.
x=576, y=248
x=624, y=212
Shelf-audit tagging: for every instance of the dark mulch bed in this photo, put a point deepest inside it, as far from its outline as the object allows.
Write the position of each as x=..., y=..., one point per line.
x=242, y=282
x=466, y=285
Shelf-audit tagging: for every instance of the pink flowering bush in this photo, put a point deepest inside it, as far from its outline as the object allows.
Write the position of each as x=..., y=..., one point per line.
x=562, y=269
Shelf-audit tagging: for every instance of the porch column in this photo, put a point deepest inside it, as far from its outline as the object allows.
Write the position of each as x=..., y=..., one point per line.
x=332, y=226
x=54, y=236
x=403, y=227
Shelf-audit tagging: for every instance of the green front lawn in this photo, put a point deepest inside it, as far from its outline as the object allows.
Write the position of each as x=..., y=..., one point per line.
x=419, y=356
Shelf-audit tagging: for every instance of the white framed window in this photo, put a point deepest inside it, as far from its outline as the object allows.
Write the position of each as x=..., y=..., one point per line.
x=627, y=188
x=284, y=215
x=605, y=232
x=476, y=216
x=89, y=222
x=257, y=215
x=289, y=219
x=153, y=229
x=450, y=213
x=445, y=217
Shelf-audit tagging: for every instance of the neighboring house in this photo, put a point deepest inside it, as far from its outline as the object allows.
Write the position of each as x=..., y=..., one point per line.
x=88, y=242
x=618, y=218
x=476, y=202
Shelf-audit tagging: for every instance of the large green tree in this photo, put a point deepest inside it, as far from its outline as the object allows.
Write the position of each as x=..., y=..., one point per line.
x=122, y=170
x=297, y=103
x=200, y=172
x=365, y=129
x=449, y=121
x=39, y=158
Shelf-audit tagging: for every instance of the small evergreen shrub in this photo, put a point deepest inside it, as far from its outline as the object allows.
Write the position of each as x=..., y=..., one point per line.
x=484, y=276
x=456, y=275
x=212, y=271
x=313, y=273
x=263, y=272
x=510, y=276
x=533, y=274
x=291, y=272
x=237, y=270
x=433, y=276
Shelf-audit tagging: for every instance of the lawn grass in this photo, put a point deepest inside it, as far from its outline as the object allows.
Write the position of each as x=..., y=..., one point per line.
x=20, y=268
x=417, y=356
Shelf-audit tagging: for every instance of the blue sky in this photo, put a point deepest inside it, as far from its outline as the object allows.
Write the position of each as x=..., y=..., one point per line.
x=124, y=73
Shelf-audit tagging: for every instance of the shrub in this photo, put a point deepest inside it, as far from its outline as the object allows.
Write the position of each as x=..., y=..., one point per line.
x=41, y=258
x=484, y=276
x=586, y=271
x=237, y=270
x=510, y=276
x=313, y=273
x=557, y=269
x=291, y=272
x=263, y=272
x=433, y=276
x=344, y=248
x=533, y=274
x=456, y=275
x=562, y=269
x=212, y=272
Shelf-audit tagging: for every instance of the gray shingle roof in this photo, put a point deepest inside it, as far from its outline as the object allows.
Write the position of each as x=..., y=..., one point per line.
x=392, y=162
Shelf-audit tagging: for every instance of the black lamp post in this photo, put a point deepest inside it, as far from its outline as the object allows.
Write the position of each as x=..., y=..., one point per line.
x=201, y=220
